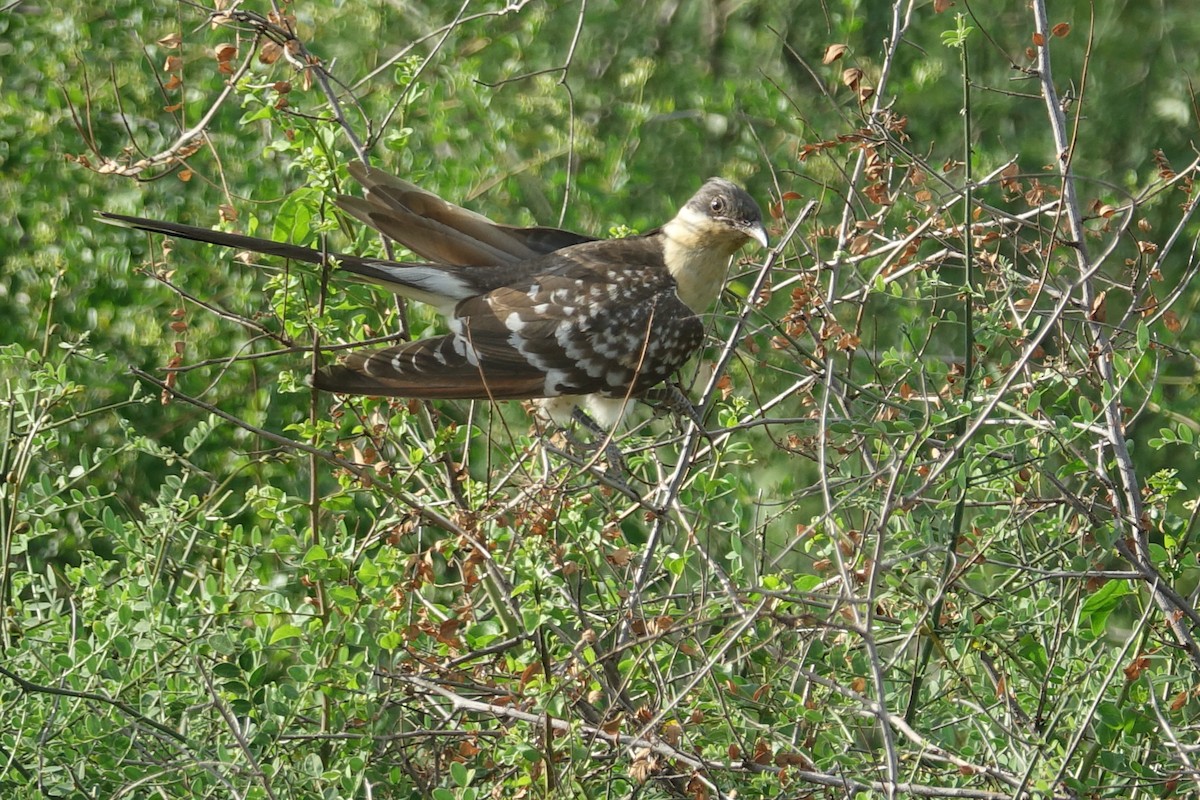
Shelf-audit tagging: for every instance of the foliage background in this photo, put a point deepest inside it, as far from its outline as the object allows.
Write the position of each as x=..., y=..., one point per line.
x=879, y=575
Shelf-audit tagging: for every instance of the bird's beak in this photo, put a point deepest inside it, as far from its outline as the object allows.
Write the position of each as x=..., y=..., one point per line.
x=759, y=234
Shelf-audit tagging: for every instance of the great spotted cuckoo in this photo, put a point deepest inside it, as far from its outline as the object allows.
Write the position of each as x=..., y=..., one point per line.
x=532, y=312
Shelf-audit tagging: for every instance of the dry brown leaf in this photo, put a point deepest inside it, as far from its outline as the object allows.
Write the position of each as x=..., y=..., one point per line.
x=269, y=53
x=833, y=52
x=620, y=557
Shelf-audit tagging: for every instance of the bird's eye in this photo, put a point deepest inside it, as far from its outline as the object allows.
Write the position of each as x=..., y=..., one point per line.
x=717, y=204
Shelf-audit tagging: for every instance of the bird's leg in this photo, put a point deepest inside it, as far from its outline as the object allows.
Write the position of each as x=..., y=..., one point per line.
x=616, y=459
x=671, y=397
x=607, y=477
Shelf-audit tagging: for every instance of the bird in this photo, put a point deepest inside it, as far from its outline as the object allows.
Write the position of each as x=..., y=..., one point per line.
x=583, y=325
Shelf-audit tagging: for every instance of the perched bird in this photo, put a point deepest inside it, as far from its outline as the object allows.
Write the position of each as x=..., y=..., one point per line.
x=532, y=312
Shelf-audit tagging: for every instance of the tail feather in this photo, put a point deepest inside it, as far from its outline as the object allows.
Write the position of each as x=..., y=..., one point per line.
x=387, y=274
x=428, y=369
x=233, y=240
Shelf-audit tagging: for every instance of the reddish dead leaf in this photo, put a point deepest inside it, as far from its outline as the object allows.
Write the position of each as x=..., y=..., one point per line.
x=1171, y=322
x=185, y=175
x=1135, y=668
x=833, y=52
x=860, y=244
x=612, y=727
x=852, y=76
x=530, y=672
x=1179, y=701
x=173, y=64
x=1099, y=310
x=762, y=752
x=447, y=633
x=173, y=83
x=170, y=41
x=1038, y=40
x=619, y=557
x=171, y=109
x=225, y=52
x=1164, y=167
x=940, y=6
x=269, y=53
x=1061, y=30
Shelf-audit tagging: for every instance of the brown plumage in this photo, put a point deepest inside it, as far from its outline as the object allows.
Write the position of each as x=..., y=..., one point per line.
x=532, y=312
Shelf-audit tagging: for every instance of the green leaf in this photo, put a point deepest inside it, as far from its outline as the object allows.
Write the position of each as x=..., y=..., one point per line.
x=315, y=553
x=1100, y=604
x=286, y=632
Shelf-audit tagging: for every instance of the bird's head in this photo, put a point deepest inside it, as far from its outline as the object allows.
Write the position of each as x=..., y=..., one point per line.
x=723, y=215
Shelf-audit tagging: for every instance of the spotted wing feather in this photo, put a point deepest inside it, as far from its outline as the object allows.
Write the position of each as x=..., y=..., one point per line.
x=600, y=318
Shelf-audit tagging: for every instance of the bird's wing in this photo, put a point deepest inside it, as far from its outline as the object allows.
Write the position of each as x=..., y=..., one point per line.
x=600, y=318
x=441, y=231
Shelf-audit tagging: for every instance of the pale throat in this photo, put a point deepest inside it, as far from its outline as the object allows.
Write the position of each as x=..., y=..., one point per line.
x=696, y=251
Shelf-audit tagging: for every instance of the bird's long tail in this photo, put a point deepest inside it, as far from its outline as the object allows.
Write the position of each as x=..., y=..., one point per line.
x=392, y=275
